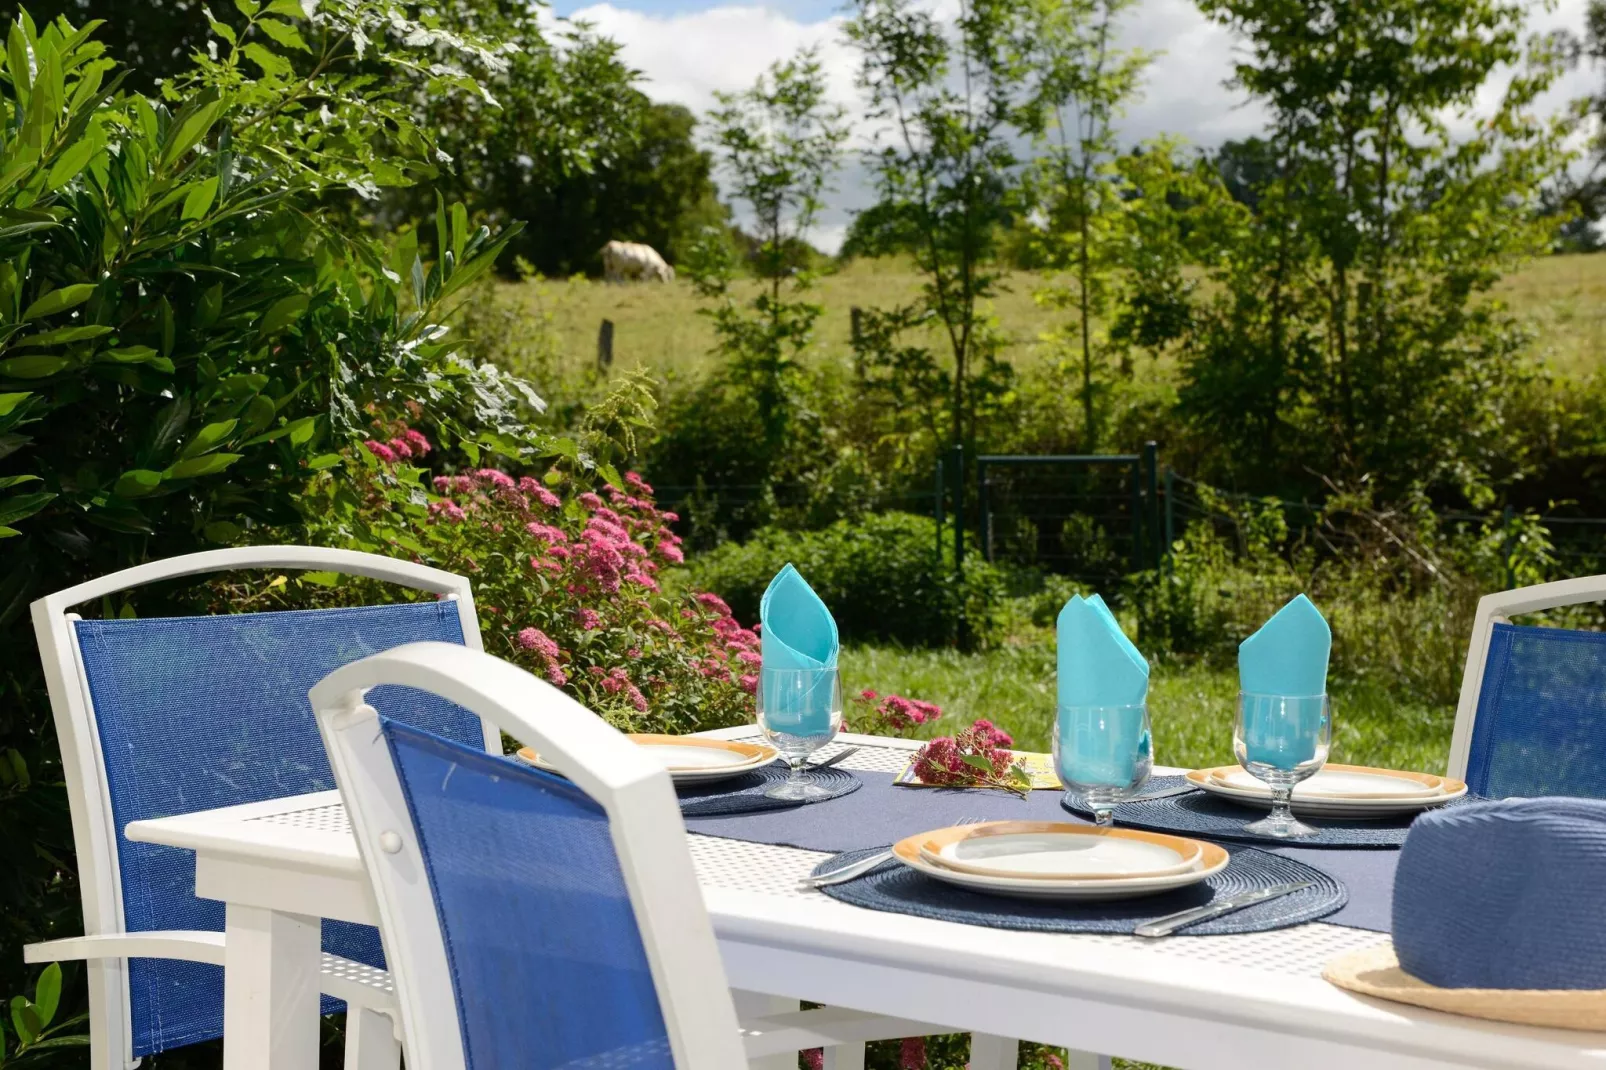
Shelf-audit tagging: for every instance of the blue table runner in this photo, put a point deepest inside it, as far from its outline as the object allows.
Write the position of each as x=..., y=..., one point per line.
x=882, y=813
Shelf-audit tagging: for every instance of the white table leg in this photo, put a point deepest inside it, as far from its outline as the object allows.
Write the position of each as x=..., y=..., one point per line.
x=270, y=990
x=370, y=1040
x=844, y=1057
x=758, y=1005
x=988, y=1052
x=1086, y=1060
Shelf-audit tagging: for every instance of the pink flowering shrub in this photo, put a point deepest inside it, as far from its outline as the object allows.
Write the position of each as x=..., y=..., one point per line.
x=978, y=756
x=568, y=583
x=888, y=715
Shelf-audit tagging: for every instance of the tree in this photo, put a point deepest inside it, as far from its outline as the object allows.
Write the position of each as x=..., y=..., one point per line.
x=1349, y=336
x=779, y=142
x=946, y=162
x=1083, y=82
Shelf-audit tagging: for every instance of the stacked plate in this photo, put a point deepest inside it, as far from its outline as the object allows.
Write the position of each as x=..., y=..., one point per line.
x=691, y=760
x=1340, y=791
x=1053, y=860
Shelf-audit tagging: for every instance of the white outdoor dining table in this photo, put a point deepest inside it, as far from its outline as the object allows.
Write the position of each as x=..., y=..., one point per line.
x=1201, y=1003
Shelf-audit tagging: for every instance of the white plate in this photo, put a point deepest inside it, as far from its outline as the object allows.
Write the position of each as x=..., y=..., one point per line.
x=1070, y=857
x=1337, y=784
x=690, y=760
x=1212, y=859
x=1354, y=809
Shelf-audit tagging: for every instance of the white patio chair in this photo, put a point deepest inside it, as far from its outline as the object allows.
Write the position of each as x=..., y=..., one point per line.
x=532, y=920
x=162, y=716
x=1532, y=715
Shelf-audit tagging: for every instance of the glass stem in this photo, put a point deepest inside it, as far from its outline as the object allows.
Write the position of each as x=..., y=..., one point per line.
x=796, y=778
x=1282, y=805
x=1104, y=817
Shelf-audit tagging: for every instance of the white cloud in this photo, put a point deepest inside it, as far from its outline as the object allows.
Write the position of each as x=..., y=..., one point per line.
x=688, y=55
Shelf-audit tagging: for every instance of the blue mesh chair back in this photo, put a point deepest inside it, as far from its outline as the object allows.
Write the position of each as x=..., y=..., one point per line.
x=1540, y=727
x=200, y=712
x=547, y=961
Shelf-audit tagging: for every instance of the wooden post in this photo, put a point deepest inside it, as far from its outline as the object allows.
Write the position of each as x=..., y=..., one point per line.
x=605, y=345
x=858, y=329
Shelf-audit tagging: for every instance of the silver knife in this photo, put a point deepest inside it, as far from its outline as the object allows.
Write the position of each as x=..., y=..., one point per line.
x=1183, y=918
x=845, y=752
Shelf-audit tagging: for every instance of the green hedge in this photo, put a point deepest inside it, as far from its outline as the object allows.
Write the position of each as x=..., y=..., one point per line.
x=880, y=574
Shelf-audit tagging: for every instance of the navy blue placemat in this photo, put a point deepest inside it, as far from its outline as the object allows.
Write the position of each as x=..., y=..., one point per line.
x=883, y=813
x=746, y=794
x=897, y=888
x=1200, y=813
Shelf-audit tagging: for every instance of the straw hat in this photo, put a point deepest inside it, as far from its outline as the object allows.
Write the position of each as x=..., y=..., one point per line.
x=1497, y=916
x=1376, y=972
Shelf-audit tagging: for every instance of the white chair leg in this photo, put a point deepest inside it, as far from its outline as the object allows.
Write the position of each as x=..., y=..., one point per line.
x=988, y=1052
x=758, y=1005
x=371, y=1040
x=844, y=1057
x=1086, y=1060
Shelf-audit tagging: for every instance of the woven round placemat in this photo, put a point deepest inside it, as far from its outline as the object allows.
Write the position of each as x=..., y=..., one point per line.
x=1211, y=817
x=746, y=794
x=896, y=888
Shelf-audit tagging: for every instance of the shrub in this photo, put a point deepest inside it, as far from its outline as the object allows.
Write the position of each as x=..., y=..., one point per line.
x=882, y=577
x=567, y=581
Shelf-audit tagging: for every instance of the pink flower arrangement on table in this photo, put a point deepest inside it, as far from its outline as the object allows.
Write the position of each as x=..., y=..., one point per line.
x=975, y=757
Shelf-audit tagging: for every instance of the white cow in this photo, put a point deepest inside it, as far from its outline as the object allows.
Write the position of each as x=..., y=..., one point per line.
x=623, y=261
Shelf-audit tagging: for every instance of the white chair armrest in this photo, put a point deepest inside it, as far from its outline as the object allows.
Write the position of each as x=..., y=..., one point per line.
x=187, y=945
x=825, y=1027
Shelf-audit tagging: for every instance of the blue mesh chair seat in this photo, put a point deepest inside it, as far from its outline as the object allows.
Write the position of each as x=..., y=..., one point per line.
x=1540, y=726
x=193, y=713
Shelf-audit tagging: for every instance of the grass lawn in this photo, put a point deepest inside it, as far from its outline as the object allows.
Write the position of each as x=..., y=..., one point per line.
x=657, y=325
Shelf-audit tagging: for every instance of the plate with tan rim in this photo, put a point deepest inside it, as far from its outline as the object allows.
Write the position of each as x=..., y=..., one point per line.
x=1341, y=791
x=1018, y=867
x=690, y=759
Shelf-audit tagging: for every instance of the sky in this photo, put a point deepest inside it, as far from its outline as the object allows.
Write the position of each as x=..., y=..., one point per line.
x=689, y=49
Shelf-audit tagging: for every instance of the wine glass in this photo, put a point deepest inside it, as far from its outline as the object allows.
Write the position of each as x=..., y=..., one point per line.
x=1281, y=740
x=800, y=710
x=1104, y=754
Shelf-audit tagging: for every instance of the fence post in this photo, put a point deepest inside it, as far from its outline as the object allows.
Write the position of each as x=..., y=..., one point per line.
x=959, y=510
x=857, y=315
x=1170, y=512
x=1151, y=481
x=985, y=518
x=605, y=345
x=939, y=488
x=1507, y=545
x=1137, y=514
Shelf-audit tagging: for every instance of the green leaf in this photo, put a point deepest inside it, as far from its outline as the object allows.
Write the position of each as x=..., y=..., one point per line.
x=19, y=773
x=190, y=126
x=24, y=1020
x=6, y=533
x=247, y=7
x=209, y=438
x=32, y=366
x=136, y=483
x=21, y=506
x=199, y=200
x=66, y=335
x=201, y=466
x=7, y=482
x=282, y=313
x=322, y=579
x=273, y=65
x=459, y=229
x=284, y=34
x=290, y=9
x=129, y=354
x=209, y=306
x=59, y=300
x=223, y=531
x=69, y=163
x=976, y=761
x=9, y=402
x=323, y=461
x=223, y=30
x=47, y=992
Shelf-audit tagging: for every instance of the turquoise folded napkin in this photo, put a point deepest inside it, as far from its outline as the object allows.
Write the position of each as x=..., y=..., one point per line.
x=798, y=633
x=1280, y=670
x=1098, y=664
x=1288, y=655
x=1098, y=745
